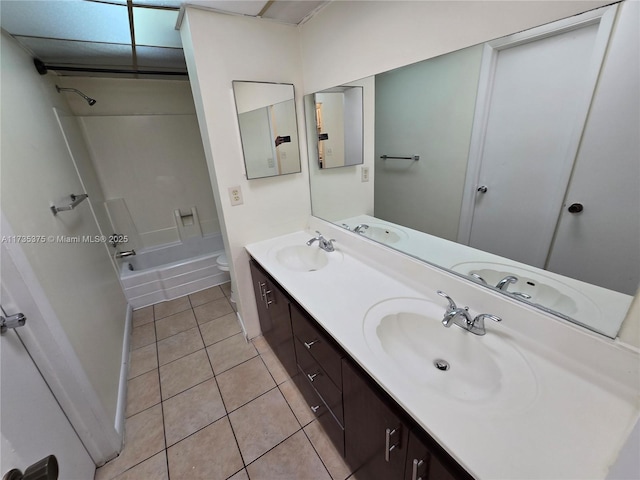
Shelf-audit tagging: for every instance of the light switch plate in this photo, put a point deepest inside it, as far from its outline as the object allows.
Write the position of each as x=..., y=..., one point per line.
x=235, y=194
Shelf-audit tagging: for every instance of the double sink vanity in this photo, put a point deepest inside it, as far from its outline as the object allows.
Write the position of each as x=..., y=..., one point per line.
x=506, y=391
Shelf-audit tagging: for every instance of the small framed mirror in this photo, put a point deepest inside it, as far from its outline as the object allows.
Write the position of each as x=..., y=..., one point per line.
x=335, y=118
x=268, y=128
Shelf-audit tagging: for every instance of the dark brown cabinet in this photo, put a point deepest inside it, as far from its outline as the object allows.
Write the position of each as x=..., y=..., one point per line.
x=273, y=312
x=376, y=436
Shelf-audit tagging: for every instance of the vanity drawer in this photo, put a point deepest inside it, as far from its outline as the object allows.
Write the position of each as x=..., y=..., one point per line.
x=318, y=345
x=320, y=381
x=323, y=414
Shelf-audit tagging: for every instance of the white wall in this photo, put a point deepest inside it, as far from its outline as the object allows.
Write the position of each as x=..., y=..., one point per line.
x=77, y=278
x=148, y=151
x=349, y=40
x=425, y=109
x=219, y=49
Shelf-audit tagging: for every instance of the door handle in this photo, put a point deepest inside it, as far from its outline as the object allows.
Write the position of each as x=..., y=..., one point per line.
x=11, y=321
x=482, y=189
x=575, y=208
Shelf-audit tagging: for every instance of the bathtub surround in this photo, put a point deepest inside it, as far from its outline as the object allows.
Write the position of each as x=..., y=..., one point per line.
x=157, y=166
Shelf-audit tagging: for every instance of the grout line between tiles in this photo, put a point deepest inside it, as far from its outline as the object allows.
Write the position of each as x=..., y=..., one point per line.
x=317, y=452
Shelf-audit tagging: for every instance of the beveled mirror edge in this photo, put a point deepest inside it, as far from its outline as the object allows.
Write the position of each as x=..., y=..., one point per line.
x=297, y=128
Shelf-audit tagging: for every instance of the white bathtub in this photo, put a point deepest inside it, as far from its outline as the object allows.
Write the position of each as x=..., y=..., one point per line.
x=171, y=271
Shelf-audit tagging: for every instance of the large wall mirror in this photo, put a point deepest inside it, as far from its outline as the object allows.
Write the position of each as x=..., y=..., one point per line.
x=515, y=164
x=268, y=128
x=334, y=117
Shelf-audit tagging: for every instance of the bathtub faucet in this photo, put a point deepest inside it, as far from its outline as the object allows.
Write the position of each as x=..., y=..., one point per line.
x=128, y=253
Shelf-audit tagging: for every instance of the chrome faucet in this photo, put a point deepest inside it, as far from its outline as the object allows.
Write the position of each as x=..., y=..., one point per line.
x=323, y=243
x=462, y=318
x=504, y=283
x=360, y=228
x=128, y=253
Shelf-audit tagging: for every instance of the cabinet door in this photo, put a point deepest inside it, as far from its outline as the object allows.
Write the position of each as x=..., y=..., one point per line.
x=275, y=321
x=375, y=438
x=425, y=463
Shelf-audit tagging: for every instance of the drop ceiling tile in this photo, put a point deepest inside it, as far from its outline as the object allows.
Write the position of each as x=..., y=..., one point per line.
x=156, y=27
x=162, y=58
x=64, y=52
x=159, y=3
x=69, y=19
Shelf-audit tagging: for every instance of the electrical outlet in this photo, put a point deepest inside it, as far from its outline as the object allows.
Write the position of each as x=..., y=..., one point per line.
x=235, y=194
x=365, y=174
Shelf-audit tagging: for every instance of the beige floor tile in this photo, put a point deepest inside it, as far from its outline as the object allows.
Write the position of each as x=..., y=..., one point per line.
x=301, y=409
x=143, y=392
x=226, y=289
x=210, y=454
x=220, y=328
x=261, y=344
x=277, y=370
x=184, y=373
x=179, y=345
x=212, y=310
x=164, y=309
x=144, y=437
x=228, y=353
x=142, y=316
x=333, y=461
x=243, y=383
x=206, y=296
x=143, y=336
x=175, y=323
x=154, y=468
x=192, y=410
x=241, y=475
x=262, y=423
x=143, y=360
x=293, y=459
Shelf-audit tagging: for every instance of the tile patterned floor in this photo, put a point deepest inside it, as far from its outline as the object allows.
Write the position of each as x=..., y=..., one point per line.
x=205, y=404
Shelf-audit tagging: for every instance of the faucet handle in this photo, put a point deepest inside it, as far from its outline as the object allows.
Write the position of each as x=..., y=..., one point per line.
x=452, y=304
x=491, y=316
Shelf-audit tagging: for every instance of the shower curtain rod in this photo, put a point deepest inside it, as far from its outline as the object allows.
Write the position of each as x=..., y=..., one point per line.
x=42, y=69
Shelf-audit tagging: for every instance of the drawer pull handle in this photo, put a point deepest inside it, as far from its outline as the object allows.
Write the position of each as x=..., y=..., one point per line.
x=416, y=465
x=315, y=409
x=312, y=376
x=388, y=445
x=310, y=344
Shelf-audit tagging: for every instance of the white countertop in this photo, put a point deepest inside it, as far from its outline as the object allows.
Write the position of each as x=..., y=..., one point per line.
x=586, y=396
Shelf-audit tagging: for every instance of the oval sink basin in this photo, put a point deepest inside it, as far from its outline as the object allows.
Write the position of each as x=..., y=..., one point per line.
x=483, y=371
x=384, y=234
x=303, y=258
x=544, y=290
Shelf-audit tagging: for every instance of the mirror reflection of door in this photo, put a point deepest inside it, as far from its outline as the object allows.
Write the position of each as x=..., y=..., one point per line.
x=536, y=102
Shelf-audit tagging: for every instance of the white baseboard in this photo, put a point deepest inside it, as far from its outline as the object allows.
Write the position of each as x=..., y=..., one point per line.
x=124, y=372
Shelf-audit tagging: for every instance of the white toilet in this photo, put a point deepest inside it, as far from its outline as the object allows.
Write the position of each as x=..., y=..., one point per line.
x=223, y=265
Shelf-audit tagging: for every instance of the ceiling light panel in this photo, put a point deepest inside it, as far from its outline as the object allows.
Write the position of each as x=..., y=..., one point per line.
x=159, y=3
x=65, y=52
x=68, y=19
x=156, y=27
x=161, y=58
